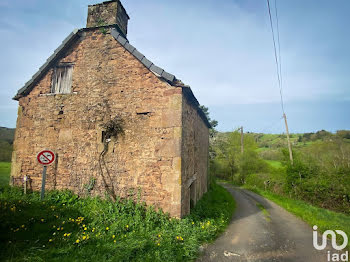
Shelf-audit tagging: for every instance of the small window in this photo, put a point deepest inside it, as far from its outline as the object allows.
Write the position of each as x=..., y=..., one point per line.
x=62, y=79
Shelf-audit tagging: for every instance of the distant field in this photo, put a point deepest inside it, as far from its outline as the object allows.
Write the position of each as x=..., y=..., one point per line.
x=274, y=163
x=5, y=170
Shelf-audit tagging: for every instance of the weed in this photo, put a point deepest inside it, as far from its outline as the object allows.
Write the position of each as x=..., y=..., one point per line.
x=65, y=227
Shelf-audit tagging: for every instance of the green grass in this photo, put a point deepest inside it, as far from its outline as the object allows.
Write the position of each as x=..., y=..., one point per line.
x=323, y=218
x=274, y=163
x=65, y=227
x=5, y=170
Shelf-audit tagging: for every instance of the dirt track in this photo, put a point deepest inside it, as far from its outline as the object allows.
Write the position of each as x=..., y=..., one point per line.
x=256, y=235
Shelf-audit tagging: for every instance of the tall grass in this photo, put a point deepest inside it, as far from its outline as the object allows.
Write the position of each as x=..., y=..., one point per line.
x=5, y=169
x=65, y=227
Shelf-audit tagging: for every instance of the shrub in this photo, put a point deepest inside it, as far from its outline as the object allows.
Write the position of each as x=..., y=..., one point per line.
x=65, y=227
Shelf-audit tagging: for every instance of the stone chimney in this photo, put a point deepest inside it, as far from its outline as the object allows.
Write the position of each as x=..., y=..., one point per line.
x=108, y=13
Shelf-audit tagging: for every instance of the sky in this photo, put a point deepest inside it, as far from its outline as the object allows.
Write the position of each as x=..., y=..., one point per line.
x=223, y=49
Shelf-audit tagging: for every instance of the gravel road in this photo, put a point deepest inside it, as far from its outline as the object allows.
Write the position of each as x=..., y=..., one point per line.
x=262, y=231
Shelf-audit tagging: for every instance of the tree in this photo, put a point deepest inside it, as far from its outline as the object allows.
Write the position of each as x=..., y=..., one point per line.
x=212, y=122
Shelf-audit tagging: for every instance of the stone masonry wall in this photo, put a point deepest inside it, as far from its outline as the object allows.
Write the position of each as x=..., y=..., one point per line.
x=108, y=81
x=195, y=146
x=108, y=13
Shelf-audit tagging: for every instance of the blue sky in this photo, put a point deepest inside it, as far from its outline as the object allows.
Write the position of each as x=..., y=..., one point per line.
x=221, y=48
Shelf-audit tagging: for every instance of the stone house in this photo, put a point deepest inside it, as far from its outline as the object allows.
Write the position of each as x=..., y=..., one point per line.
x=94, y=76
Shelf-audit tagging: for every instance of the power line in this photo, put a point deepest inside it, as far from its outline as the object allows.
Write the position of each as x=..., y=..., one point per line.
x=279, y=54
x=279, y=73
x=279, y=45
x=278, y=68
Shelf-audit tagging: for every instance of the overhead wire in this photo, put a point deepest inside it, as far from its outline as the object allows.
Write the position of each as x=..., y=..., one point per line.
x=277, y=58
x=279, y=55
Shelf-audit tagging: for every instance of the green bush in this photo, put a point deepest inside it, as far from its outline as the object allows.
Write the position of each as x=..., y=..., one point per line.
x=320, y=177
x=65, y=227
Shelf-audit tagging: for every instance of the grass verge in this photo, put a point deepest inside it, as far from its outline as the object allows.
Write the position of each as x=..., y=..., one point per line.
x=5, y=170
x=65, y=227
x=323, y=218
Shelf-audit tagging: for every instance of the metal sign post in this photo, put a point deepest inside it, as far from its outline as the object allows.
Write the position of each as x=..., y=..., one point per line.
x=25, y=179
x=45, y=158
x=43, y=182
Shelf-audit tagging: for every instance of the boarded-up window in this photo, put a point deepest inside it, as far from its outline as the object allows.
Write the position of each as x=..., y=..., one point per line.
x=62, y=79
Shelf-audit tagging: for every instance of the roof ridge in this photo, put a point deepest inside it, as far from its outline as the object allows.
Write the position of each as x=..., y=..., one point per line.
x=160, y=72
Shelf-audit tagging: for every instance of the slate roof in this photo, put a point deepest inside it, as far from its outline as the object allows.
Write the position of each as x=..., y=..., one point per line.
x=118, y=36
x=44, y=68
x=155, y=69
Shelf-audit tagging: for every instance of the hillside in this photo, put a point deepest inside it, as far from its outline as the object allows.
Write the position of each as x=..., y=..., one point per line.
x=6, y=141
x=320, y=174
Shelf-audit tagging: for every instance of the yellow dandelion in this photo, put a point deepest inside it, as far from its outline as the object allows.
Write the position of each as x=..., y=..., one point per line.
x=115, y=241
x=192, y=223
x=69, y=234
x=65, y=234
x=42, y=220
x=77, y=241
x=127, y=226
x=85, y=228
x=50, y=240
x=158, y=244
x=93, y=230
x=22, y=226
x=159, y=235
x=107, y=228
x=113, y=236
x=84, y=237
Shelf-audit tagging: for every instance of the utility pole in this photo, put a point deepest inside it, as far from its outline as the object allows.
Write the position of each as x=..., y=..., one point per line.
x=242, y=145
x=289, y=145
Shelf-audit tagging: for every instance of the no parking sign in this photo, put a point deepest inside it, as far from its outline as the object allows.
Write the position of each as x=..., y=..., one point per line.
x=45, y=158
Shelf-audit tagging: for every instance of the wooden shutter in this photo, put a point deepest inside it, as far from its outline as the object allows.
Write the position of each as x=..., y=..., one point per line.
x=62, y=80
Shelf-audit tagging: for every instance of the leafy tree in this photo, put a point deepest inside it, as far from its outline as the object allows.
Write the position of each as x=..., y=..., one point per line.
x=212, y=122
x=343, y=134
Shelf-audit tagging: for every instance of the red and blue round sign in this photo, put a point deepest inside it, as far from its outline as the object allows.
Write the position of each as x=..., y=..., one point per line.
x=46, y=157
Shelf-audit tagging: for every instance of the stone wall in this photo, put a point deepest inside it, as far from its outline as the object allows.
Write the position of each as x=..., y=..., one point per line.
x=195, y=146
x=109, y=81
x=108, y=13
